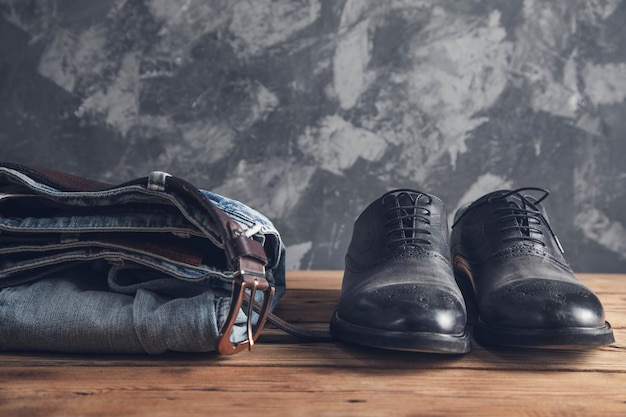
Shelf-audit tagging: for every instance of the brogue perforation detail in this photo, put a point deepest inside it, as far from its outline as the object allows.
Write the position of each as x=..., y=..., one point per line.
x=516, y=251
x=395, y=257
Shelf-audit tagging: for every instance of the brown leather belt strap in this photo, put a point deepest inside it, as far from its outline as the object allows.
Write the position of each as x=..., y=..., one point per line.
x=59, y=180
x=246, y=257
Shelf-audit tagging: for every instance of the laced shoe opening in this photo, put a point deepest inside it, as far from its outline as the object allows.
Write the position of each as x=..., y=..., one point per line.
x=407, y=218
x=524, y=221
x=524, y=216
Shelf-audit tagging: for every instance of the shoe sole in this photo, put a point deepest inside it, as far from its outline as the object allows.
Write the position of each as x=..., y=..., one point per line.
x=557, y=338
x=393, y=340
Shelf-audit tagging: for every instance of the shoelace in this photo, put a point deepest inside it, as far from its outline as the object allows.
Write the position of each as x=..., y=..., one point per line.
x=406, y=217
x=527, y=218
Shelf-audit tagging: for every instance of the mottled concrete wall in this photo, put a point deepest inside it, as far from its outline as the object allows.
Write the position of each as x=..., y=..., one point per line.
x=310, y=109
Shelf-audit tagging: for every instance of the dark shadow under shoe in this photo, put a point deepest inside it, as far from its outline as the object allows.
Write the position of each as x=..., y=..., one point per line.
x=525, y=292
x=398, y=288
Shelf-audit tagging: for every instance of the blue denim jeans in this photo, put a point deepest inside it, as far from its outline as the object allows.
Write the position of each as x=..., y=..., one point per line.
x=134, y=269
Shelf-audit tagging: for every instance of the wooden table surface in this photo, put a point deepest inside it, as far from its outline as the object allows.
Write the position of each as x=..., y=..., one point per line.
x=283, y=376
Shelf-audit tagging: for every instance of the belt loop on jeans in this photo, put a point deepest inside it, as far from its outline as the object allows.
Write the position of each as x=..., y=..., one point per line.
x=156, y=180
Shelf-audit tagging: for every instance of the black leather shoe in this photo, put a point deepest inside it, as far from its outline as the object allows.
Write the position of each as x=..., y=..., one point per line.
x=398, y=287
x=525, y=292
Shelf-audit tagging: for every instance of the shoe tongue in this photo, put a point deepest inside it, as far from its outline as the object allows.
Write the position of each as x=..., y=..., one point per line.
x=406, y=199
x=497, y=197
x=521, y=221
x=407, y=202
x=515, y=200
x=406, y=215
x=518, y=221
x=522, y=201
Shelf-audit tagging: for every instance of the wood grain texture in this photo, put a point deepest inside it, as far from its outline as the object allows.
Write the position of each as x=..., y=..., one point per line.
x=284, y=376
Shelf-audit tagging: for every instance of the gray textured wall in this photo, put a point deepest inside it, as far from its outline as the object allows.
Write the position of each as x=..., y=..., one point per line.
x=309, y=109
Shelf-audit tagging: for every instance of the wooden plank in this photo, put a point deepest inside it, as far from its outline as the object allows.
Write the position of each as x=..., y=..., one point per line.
x=275, y=349
x=318, y=279
x=605, y=283
x=331, y=280
x=262, y=391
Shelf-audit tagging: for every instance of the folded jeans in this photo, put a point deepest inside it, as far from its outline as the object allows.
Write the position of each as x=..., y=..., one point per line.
x=131, y=268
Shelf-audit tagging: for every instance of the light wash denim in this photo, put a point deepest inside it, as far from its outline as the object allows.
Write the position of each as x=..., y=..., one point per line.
x=78, y=285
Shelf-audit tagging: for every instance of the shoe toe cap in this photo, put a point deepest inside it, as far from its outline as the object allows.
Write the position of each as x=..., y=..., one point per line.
x=406, y=308
x=539, y=304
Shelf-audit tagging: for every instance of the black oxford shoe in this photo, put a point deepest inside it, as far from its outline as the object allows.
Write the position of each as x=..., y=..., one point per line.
x=503, y=247
x=398, y=288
